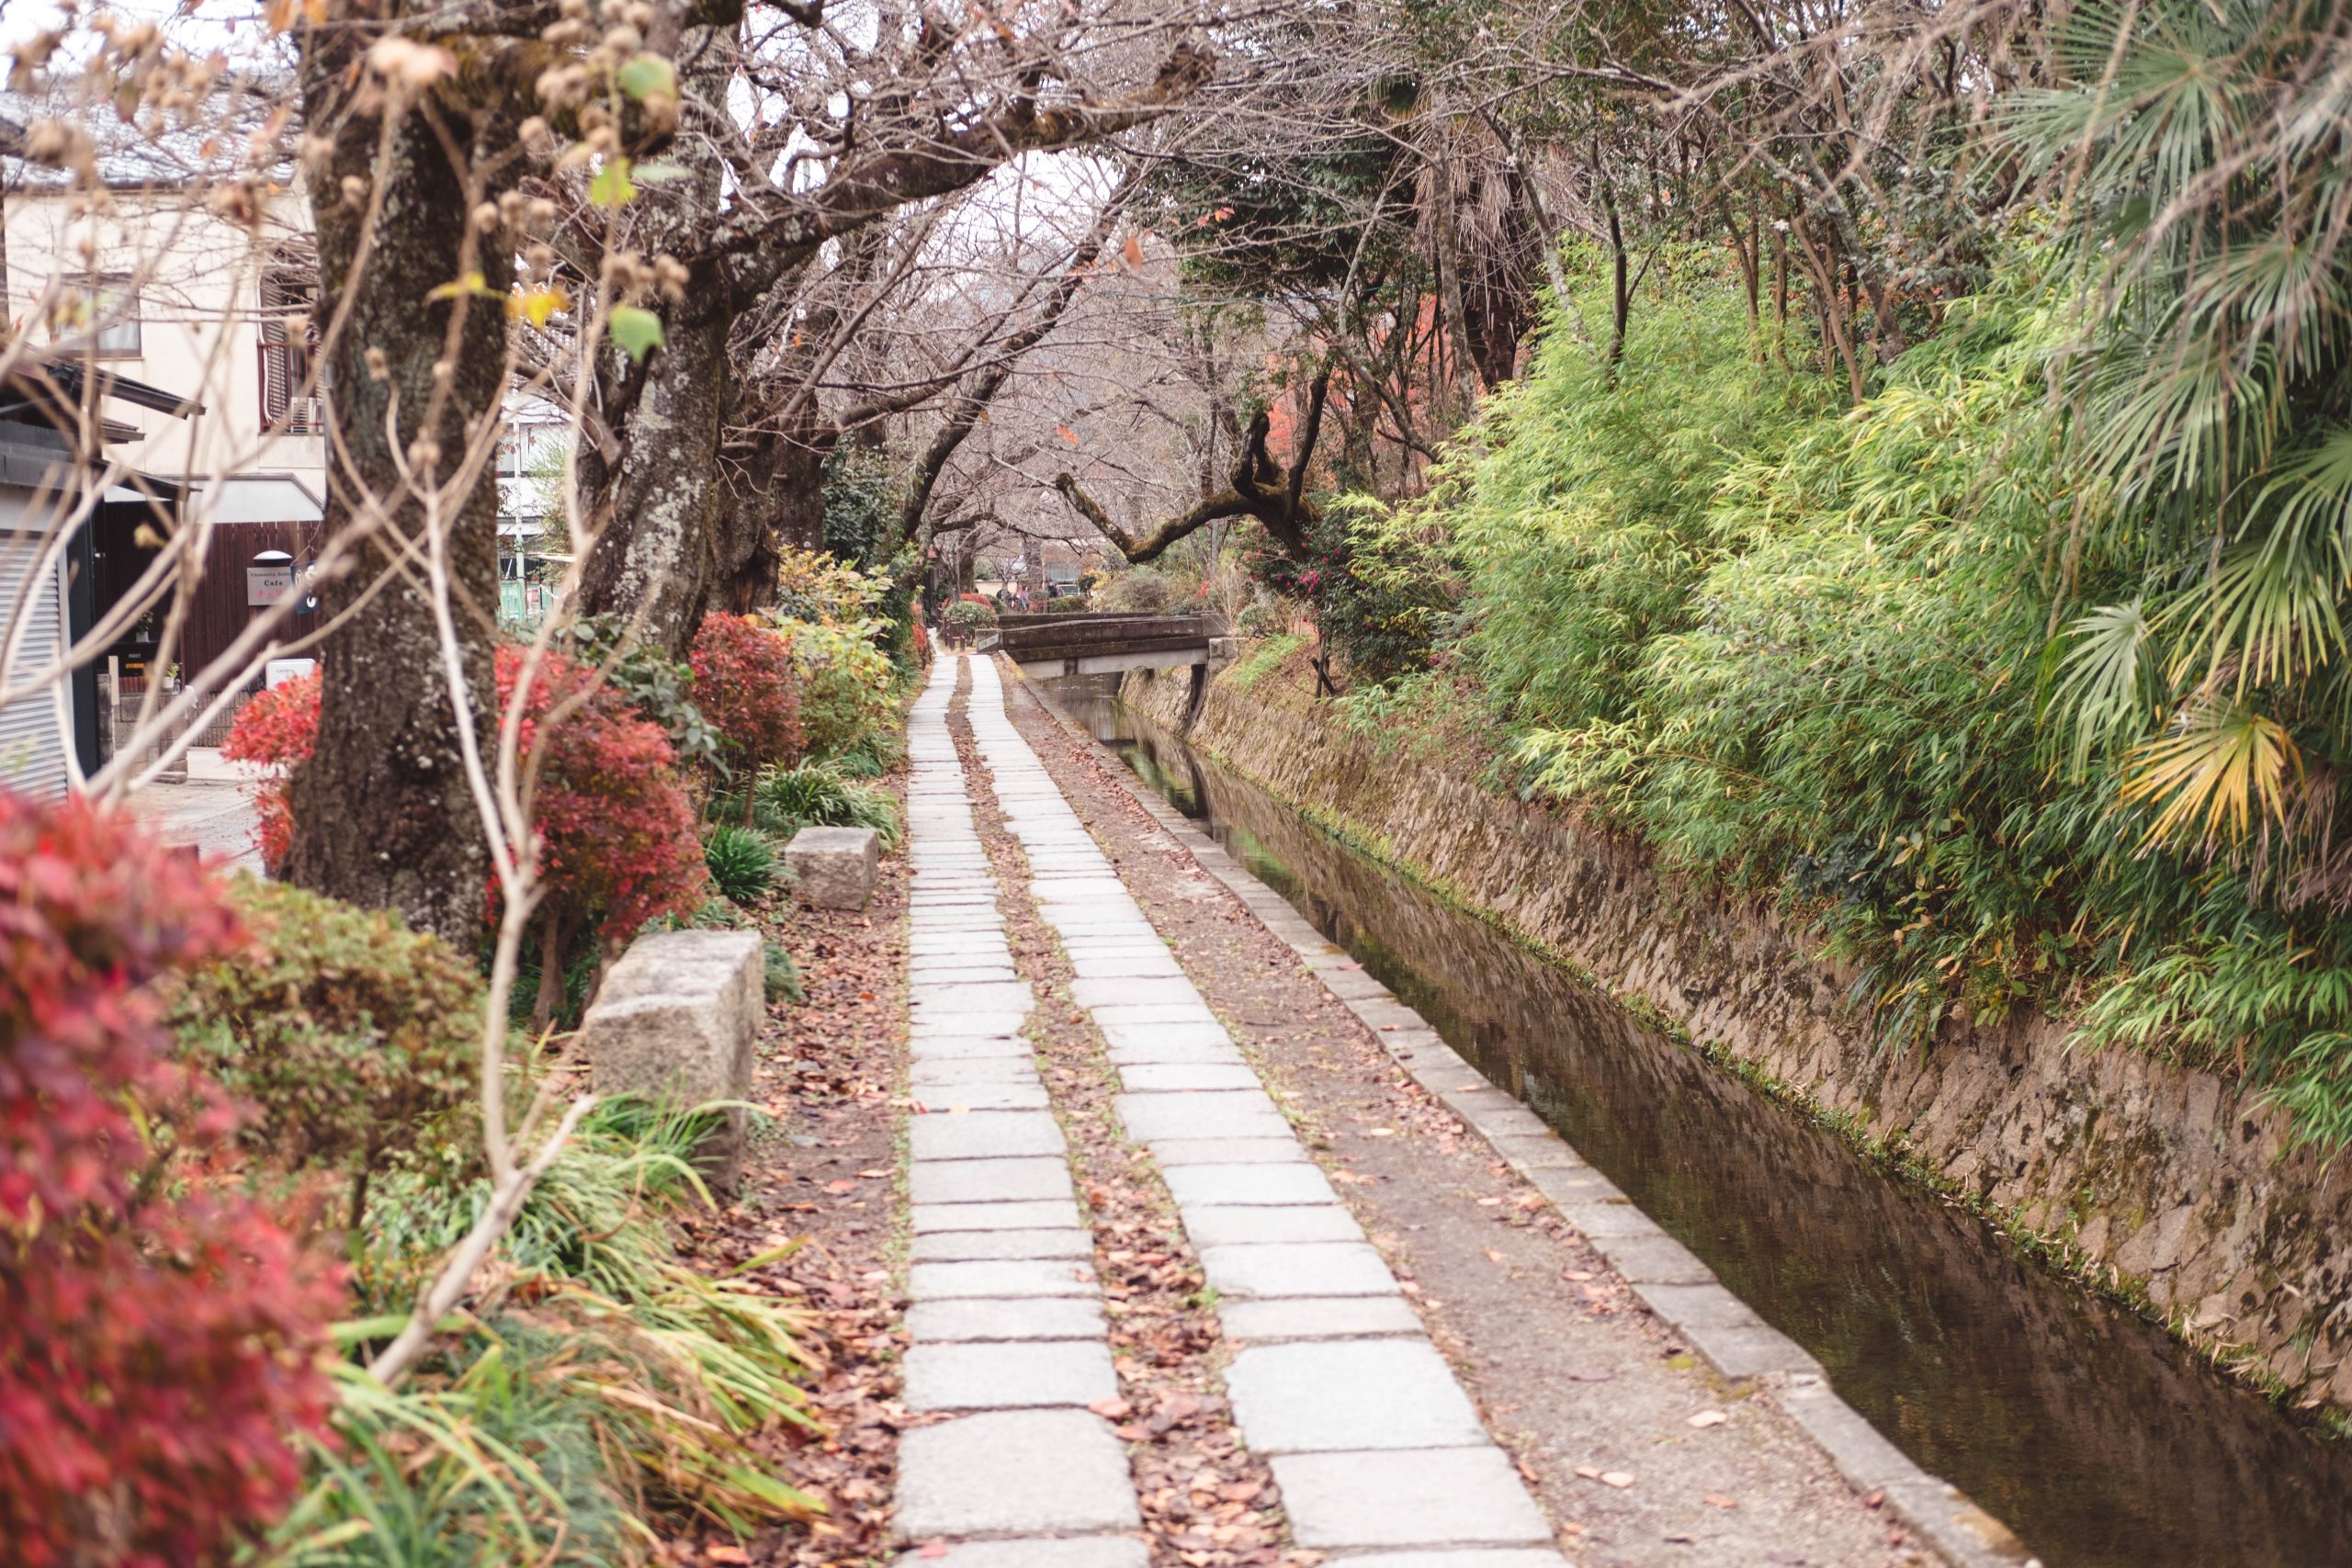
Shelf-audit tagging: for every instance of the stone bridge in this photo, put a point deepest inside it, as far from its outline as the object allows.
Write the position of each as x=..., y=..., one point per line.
x=1048, y=646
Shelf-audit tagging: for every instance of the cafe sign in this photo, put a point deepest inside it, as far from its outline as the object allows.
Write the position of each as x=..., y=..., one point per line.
x=270, y=579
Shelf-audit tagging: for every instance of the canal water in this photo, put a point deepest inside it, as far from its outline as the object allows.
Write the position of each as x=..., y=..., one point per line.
x=2090, y=1431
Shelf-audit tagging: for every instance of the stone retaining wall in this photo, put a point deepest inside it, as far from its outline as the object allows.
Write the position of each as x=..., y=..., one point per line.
x=2172, y=1179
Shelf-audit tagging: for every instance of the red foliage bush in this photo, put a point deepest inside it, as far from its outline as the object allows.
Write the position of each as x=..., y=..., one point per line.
x=744, y=685
x=613, y=819
x=613, y=816
x=159, y=1341
x=278, y=727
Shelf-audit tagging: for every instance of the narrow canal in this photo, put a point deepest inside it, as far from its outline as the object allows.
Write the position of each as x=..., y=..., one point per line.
x=2090, y=1432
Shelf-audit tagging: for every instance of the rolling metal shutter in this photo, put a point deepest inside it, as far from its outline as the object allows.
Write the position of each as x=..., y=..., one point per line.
x=33, y=730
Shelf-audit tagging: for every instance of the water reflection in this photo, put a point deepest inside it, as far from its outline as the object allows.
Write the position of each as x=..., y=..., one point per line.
x=2086, y=1428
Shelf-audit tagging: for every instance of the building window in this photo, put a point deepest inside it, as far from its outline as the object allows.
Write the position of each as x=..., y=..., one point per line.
x=108, y=310
x=292, y=402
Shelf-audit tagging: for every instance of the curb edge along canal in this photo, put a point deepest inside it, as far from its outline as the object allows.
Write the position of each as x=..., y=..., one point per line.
x=1740, y=1346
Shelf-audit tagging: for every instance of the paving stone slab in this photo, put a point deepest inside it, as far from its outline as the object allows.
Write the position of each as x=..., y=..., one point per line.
x=1653, y=1260
x=1224, y=1113
x=940, y=1048
x=1543, y=1153
x=1499, y=1557
x=966, y=1026
x=1125, y=968
x=922, y=974
x=1146, y=1077
x=986, y=1134
x=1708, y=1305
x=1238, y=1225
x=1249, y=1184
x=1133, y=992
x=984, y=1069
x=1284, y=1150
x=1316, y=1318
x=1000, y=1277
x=1323, y=1396
x=1013, y=1472
x=1013, y=1375
x=952, y=1099
x=967, y=1321
x=1409, y=1497
x=989, y=1180
x=1299, y=1268
x=972, y=1247
x=1748, y=1350
x=1153, y=1012
x=1216, y=1053
x=1032, y=1213
x=962, y=998
x=1079, y=1552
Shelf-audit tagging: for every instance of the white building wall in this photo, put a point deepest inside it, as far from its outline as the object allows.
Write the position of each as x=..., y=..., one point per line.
x=198, y=277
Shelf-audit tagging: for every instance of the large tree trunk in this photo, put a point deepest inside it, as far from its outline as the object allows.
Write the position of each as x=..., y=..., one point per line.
x=660, y=554
x=382, y=814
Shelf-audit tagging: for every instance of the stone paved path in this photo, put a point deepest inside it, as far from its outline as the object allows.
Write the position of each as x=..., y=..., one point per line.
x=1381, y=1457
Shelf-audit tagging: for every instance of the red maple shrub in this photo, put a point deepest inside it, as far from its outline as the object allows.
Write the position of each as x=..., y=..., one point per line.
x=614, y=819
x=278, y=728
x=746, y=685
x=159, y=1338
x=613, y=815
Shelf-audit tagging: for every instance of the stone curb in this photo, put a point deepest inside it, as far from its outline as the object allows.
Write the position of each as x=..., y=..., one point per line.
x=1673, y=1282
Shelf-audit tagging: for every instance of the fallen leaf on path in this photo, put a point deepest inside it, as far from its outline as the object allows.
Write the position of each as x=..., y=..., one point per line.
x=1494, y=1257
x=1714, y=1501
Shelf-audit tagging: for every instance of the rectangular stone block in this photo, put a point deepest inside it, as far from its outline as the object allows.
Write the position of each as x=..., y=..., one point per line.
x=1011, y=1375
x=965, y=997
x=835, y=868
x=940, y=1048
x=1224, y=1113
x=1169, y=1152
x=1299, y=1268
x=1070, y=1552
x=1316, y=1318
x=1154, y=1012
x=1332, y=1395
x=1507, y=1557
x=986, y=1134
x=1196, y=1048
x=677, y=1019
x=1039, y=1277
x=961, y=1320
x=1410, y=1497
x=1130, y=992
x=1029, y=1214
x=1013, y=1472
x=977, y=1247
x=1216, y=1225
x=988, y=1180
x=1249, y=1184
x=938, y=1074
x=952, y=1099
x=1150, y=1078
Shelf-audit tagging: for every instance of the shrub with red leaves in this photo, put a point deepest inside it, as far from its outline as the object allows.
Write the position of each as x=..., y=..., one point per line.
x=278, y=728
x=159, y=1339
x=614, y=818
x=746, y=685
